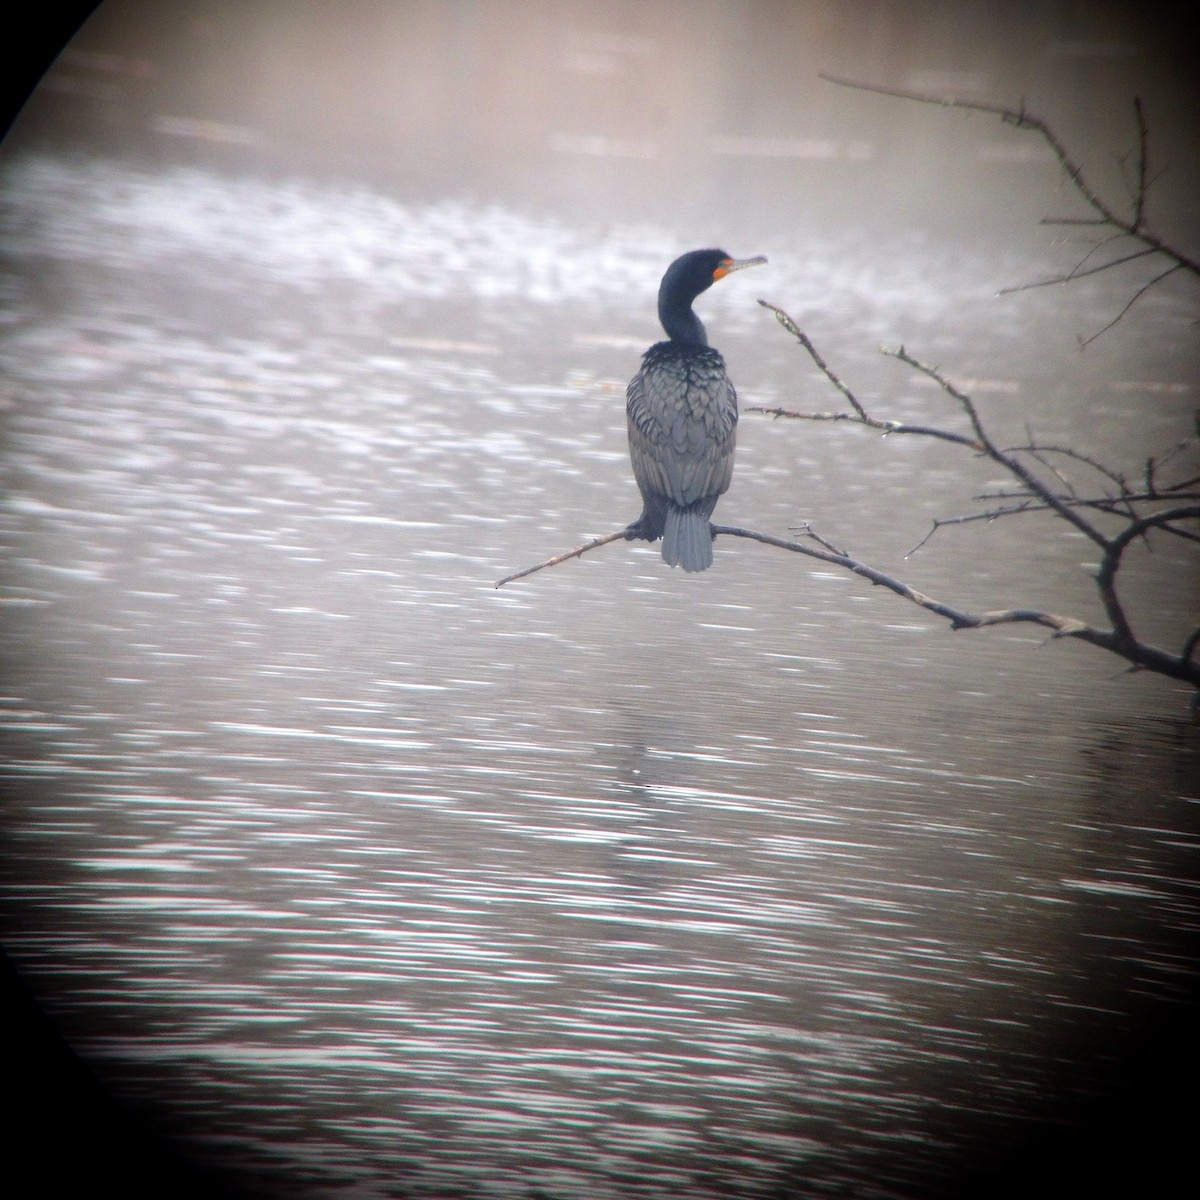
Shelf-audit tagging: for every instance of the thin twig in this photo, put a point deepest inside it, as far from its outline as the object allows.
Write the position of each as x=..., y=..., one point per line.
x=1134, y=226
x=1038, y=457
x=810, y=532
x=1143, y=165
x=968, y=405
x=594, y=544
x=1011, y=464
x=885, y=427
x=1132, y=301
x=1075, y=273
x=791, y=414
x=1105, y=503
x=1034, y=448
x=1114, y=507
x=1018, y=118
x=860, y=415
x=799, y=334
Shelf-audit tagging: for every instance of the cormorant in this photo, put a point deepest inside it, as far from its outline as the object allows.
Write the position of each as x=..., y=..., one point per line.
x=683, y=415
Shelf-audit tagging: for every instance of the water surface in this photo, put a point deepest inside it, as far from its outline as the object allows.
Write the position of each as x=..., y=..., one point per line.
x=370, y=880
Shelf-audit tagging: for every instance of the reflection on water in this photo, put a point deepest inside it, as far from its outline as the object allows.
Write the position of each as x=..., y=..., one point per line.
x=613, y=883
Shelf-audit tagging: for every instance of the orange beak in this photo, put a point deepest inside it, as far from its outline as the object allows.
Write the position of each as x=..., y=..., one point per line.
x=736, y=264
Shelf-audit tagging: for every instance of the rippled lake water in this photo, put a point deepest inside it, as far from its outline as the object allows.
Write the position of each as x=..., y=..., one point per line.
x=368, y=879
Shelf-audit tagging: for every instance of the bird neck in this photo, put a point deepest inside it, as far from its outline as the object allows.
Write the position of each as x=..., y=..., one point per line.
x=680, y=322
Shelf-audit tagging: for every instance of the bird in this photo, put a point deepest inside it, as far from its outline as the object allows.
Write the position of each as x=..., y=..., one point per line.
x=682, y=417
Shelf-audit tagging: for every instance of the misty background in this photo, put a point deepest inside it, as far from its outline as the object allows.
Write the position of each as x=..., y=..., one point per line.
x=657, y=112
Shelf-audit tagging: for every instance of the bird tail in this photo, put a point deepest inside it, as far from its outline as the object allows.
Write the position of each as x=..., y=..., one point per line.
x=687, y=538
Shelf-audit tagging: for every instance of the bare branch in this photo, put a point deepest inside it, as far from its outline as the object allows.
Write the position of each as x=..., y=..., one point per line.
x=1034, y=496
x=1070, y=452
x=938, y=522
x=1190, y=646
x=1075, y=273
x=1041, y=460
x=1154, y=465
x=1106, y=577
x=840, y=559
x=968, y=405
x=885, y=427
x=1105, y=503
x=1066, y=506
x=1011, y=464
x=1143, y=165
x=958, y=618
x=1139, y=654
x=1186, y=534
x=1132, y=301
x=859, y=416
x=1119, y=640
x=594, y=544
x=1018, y=118
x=796, y=332
x=1159, y=520
x=791, y=414
x=810, y=532
x=1114, y=507
x=1106, y=214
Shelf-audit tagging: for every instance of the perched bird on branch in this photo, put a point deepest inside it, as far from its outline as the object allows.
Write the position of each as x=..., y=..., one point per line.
x=683, y=415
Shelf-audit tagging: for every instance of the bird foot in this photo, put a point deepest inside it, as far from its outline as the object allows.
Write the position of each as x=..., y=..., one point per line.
x=636, y=531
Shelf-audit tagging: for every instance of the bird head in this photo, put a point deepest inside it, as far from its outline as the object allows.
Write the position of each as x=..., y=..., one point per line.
x=698, y=270
x=686, y=278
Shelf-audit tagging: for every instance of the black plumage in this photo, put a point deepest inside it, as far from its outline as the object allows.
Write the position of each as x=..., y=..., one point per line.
x=683, y=415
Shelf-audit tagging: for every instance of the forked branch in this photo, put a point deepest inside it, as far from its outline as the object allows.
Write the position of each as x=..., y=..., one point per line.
x=1033, y=493
x=1117, y=641
x=1132, y=225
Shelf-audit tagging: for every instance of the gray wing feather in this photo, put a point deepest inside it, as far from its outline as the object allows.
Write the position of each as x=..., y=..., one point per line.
x=682, y=430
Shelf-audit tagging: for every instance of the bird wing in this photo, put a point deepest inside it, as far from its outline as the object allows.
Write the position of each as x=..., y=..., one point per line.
x=682, y=426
